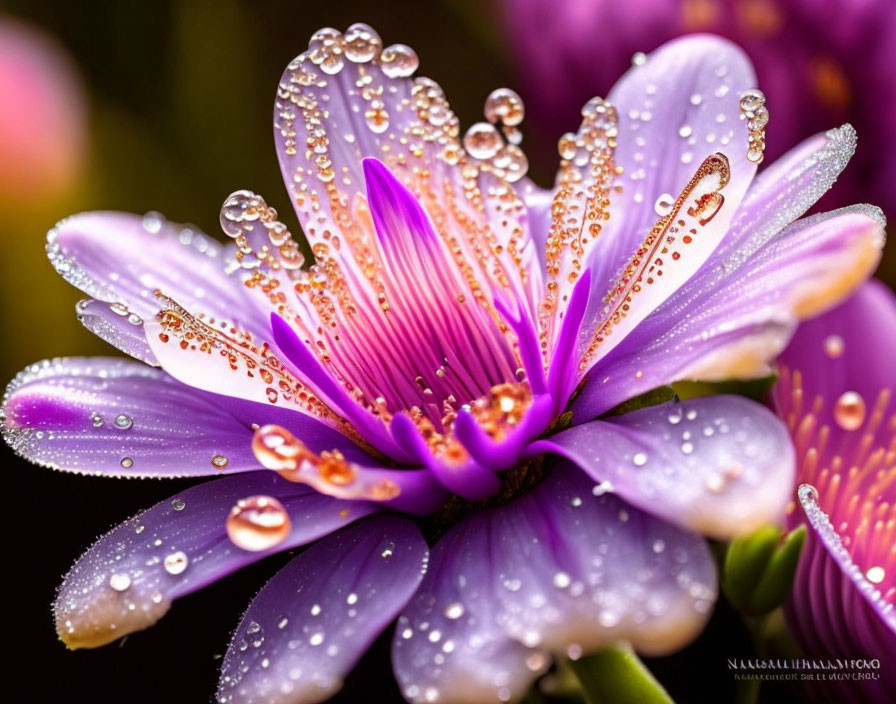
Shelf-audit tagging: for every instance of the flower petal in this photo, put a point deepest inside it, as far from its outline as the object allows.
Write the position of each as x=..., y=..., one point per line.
x=127, y=580
x=676, y=109
x=682, y=146
x=558, y=570
x=312, y=622
x=114, y=323
x=835, y=608
x=720, y=465
x=123, y=258
x=733, y=325
x=116, y=417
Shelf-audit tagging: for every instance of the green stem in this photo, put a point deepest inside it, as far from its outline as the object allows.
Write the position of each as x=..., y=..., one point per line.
x=616, y=676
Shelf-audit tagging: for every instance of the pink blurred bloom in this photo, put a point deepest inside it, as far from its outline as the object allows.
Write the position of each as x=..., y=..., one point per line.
x=819, y=62
x=836, y=394
x=42, y=114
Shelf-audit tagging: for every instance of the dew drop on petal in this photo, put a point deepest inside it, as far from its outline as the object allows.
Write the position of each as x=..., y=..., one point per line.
x=849, y=411
x=127, y=462
x=482, y=141
x=876, y=574
x=505, y=106
x=176, y=562
x=258, y=523
x=834, y=346
x=454, y=610
x=178, y=504
x=398, y=61
x=123, y=422
x=219, y=461
x=639, y=459
x=639, y=58
x=120, y=582
x=663, y=204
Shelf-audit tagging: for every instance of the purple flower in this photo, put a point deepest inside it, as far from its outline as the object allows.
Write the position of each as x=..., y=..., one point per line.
x=836, y=395
x=458, y=325
x=820, y=62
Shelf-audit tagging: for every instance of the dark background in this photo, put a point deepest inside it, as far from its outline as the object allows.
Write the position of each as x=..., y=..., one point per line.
x=179, y=115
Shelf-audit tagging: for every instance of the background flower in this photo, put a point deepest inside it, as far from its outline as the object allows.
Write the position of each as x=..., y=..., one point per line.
x=836, y=392
x=819, y=62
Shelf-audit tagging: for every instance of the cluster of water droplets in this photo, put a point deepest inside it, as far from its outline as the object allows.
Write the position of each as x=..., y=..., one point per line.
x=496, y=142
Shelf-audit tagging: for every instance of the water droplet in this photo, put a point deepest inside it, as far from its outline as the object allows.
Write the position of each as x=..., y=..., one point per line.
x=659, y=546
x=276, y=448
x=388, y=550
x=178, y=504
x=362, y=43
x=123, y=422
x=751, y=100
x=834, y=346
x=398, y=61
x=685, y=131
x=219, y=461
x=258, y=523
x=316, y=638
x=566, y=146
x=505, y=106
x=454, y=610
x=696, y=99
x=120, y=582
x=176, y=562
x=639, y=58
x=482, y=141
x=849, y=411
x=876, y=574
x=96, y=420
x=127, y=462
x=562, y=580
x=152, y=222
x=663, y=204
x=640, y=459
x=602, y=488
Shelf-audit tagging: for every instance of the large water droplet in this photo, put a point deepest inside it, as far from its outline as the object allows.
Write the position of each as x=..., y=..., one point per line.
x=482, y=141
x=663, y=204
x=834, y=346
x=258, y=523
x=849, y=411
x=362, y=43
x=398, y=61
x=276, y=448
x=123, y=422
x=176, y=562
x=505, y=106
x=120, y=582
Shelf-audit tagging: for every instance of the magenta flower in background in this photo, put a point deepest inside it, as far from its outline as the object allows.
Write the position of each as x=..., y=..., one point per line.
x=42, y=115
x=457, y=327
x=819, y=62
x=836, y=393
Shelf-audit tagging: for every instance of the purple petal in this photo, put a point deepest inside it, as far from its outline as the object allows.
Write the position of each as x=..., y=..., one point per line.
x=123, y=258
x=735, y=323
x=675, y=110
x=127, y=580
x=313, y=621
x=836, y=393
x=116, y=417
x=114, y=323
x=835, y=608
x=784, y=191
x=558, y=570
x=847, y=349
x=720, y=465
